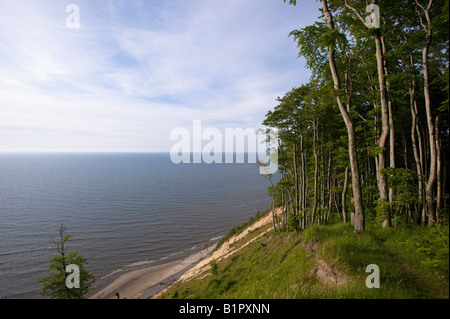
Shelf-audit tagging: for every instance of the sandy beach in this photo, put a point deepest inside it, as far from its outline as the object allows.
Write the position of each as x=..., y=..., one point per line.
x=144, y=283
x=152, y=281
x=227, y=249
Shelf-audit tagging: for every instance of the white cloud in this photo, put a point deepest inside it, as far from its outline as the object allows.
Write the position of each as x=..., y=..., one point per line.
x=136, y=70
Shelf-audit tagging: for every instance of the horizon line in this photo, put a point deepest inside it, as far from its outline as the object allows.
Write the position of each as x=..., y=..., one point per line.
x=107, y=152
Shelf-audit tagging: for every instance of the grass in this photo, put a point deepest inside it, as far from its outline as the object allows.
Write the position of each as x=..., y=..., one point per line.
x=413, y=263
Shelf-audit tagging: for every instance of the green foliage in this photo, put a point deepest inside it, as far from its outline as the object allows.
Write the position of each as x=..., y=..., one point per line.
x=276, y=193
x=413, y=263
x=404, y=183
x=294, y=222
x=382, y=210
x=375, y=150
x=314, y=146
x=413, y=260
x=54, y=283
x=432, y=244
x=213, y=266
x=291, y=2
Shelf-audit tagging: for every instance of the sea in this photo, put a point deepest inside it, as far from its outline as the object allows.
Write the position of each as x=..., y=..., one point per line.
x=125, y=211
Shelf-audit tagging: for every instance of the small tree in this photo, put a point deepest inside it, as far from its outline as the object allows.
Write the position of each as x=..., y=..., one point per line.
x=55, y=284
x=213, y=265
x=404, y=183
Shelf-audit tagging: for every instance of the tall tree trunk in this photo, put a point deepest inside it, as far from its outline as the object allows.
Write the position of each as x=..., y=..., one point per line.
x=421, y=141
x=405, y=151
x=274, y=219
x=431, y=209
x=344, y=197
x=356, y=186
x=316, y=172
x=438, y=172
x=330, y=186
x=285, y=176
x=382, y=180
x=303, y=183
x=322, y=184
x=410, y=67
x=335, y=201
x=390, y=116
x=296, y=184
x=417, y=149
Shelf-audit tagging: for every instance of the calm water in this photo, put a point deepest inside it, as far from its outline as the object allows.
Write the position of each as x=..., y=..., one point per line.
x=127, y=211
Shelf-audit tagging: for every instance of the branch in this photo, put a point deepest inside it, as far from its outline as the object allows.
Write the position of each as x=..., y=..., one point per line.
x=426, y=12
x=362, y=118
x=357, y=13
x=420, y=16
x=422, y=7
x=418, y=3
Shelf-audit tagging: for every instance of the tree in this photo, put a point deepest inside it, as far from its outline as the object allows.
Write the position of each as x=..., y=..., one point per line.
x=426, y=24
x=56, y=283
x=383, y=79
x=329, y=38
x=386, y=117
x=387, y=121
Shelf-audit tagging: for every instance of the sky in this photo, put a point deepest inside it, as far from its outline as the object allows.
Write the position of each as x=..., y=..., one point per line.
x=134, y=71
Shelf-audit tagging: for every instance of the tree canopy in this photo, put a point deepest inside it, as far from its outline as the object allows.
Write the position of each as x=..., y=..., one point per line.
x=373, y=117
x=58, y=284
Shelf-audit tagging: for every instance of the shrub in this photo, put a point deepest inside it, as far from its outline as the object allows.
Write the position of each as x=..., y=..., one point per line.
x=294, y=222
x=213, y=265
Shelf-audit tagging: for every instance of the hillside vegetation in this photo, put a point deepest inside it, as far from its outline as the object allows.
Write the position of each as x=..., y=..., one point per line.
x=361, y=165
x=327, y=261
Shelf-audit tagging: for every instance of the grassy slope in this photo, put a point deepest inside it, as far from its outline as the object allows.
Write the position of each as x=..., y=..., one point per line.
x=277, y=265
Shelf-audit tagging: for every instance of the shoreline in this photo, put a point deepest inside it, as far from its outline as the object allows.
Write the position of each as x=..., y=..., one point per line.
x=147, y=282
x=150, y=282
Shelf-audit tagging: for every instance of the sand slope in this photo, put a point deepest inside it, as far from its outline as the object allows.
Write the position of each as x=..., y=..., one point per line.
x=143, y=283
x=225, y=250
x=152, y=281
